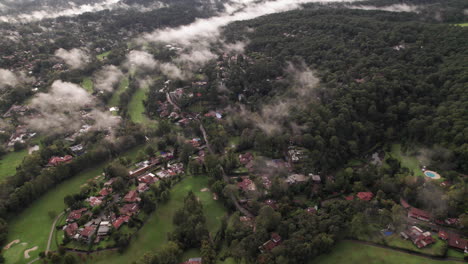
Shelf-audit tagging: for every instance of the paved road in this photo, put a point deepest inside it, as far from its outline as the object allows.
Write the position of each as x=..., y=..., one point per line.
x=406, y=251
x=169, y=99
x=52, y=232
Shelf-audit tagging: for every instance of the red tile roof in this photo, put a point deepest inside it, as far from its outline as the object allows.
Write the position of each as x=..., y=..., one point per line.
x=404, y=204
x=76, y=214
x=349, y=198
x=131, y=196
x=122, y=219
x=105, y=191
x=129, y=209
x=88, y=231
x=71, y=229
x=365, y=196
x=419, y=214
x=245, y=184
x=443, y=235
x=456, y=242
x=54, y=161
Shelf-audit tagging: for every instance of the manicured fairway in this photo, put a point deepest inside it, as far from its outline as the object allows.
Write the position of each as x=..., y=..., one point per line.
x=354, y=253
x=115, y=99
x=154, y=233
x=136, y=109
x=87, y=84
x=10, y=161
x=463, y=24
x=32, y=226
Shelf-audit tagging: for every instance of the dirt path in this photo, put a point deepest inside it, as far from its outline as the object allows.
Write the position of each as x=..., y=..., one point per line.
x=52, y=232
x=406, y=251
x=16, y=241
x=26, y=252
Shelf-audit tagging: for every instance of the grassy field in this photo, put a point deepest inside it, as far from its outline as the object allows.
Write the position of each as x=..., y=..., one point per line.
x=115, y=99
x=154, y=233
x=409, y=162
x=32, y=226
x=354, y=253
x=10, y=161
x=103, y=55
x=136, y=109
x=463, y=24
x=455, y=254
x=87, y=84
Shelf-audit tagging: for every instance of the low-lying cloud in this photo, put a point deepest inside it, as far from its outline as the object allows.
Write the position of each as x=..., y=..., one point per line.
x=107, y=78
x=62, y=110
x=54, y=13
x=12, y=79
x=390, y=8
x=74, y=58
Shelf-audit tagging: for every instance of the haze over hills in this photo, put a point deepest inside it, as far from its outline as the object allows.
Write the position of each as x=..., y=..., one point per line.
x=244, y=131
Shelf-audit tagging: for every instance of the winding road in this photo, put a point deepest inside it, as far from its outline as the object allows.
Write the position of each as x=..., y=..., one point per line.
x=51, y=234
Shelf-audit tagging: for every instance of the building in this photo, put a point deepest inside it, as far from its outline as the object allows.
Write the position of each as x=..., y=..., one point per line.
x=246, y=158
x=296, y=178
x=105, y=191
x=94, y=201
x=458, y=243
x=76, y=214
x=70, y=229
x=404, y=204
x=54, y=161
x=365, y=196
x=419, y=214
x=193, y=261
x=104, y=228
x=142, y=187
x=148, y=178
x=131, y=196
x=119, y=221
x=418, y=236
x=443, y=235
x=246, y=185
x=271, y=244
x=129, y=209
x=77, y=149
x=87, y=232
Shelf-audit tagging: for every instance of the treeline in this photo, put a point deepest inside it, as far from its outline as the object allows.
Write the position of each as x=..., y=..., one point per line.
x=384, y=77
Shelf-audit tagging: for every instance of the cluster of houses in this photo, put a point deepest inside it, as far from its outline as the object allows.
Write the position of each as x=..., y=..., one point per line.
x=99, y=225
x=193, y=261
x=419, y=237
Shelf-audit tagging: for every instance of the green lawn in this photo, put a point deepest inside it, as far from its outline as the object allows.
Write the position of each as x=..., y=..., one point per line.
x=409, y=162
x=136, y=109
x=10, y=161
x=103, y=55
x=455, y=253
x=354, y=253
x=87, y=84
x=463, y=24
x=154, y=233
x=115, y=99
x=32, y=226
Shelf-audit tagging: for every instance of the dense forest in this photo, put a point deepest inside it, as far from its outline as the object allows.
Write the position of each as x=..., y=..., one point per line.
x=384, y=77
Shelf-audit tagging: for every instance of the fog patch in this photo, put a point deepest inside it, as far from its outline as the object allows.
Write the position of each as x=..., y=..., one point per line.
x=12, y=79
x=389, y=8
x=107, y=78
x=62, y=110
x=74, y=58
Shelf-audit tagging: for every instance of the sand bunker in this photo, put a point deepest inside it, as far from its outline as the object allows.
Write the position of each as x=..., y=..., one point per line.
x=204, y=190
x=16, y=241
x=26, y=252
